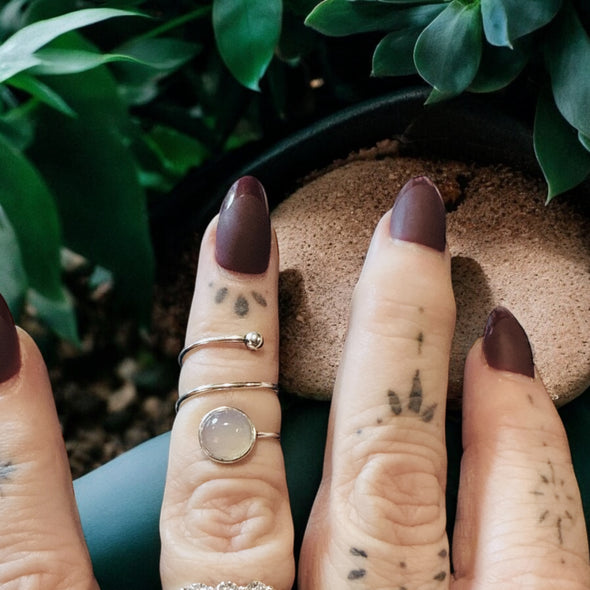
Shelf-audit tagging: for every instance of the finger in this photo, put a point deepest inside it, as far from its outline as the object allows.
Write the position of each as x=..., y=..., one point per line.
x=520, y=521
x=379, y=518
x=230, y=521
x=41, y=544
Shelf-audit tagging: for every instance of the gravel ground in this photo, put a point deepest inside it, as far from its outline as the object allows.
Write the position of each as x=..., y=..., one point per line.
x=118, y=388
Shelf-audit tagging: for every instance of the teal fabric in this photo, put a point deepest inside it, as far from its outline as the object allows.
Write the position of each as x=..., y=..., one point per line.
x=120, y=502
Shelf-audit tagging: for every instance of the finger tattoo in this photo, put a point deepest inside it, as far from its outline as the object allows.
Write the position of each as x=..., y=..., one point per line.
x=241, y=303
x=553, y=489
x=415, y=401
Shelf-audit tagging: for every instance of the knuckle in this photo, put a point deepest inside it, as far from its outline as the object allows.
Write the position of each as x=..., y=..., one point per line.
x=44, y=570
x=397, y=495
x=233, y=515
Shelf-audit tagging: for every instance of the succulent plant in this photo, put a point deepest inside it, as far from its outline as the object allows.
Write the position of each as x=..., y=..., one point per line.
x=484, y=46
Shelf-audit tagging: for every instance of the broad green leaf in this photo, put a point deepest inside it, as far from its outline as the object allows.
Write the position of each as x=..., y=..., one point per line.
x=567, y=55
x=564, y=161
x=137, y=83
x=504, y=21
x=30, y=207
x=448, y=51
x=246, y=33
x=34, y=36
x=93, y=175
x=177, y=152
x=584, y=140
x=13, y=65
x=41, y=92
x=500, y=65
x=394, y=54
x=13, y=277
x=60, y=61
x=165, y=54
x=338, y=18
x=17, y=52
x=437, y=96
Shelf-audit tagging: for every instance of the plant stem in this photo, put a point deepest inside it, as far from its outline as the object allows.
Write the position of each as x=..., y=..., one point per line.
x=176, y=22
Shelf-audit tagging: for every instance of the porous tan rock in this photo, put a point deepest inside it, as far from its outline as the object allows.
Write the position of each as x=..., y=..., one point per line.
x=507, y=248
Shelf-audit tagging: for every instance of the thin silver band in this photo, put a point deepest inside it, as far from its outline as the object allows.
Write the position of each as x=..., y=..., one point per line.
x=229, y=586
x=251, y=340
x=212, y=387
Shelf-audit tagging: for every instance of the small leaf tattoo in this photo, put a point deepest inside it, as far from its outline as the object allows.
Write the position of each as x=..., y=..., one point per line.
x=416, y=394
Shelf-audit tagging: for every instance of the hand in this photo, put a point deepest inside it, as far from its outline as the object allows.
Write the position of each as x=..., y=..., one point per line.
x=379, y=518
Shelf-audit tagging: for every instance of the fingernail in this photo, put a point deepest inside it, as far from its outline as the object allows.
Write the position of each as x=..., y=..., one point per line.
x=506, y=345
x=418, y=214
x=9, y=346
x=243, y=230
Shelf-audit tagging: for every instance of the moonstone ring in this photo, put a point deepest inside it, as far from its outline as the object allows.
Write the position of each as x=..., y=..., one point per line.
x=227, y=435
x=229, y=586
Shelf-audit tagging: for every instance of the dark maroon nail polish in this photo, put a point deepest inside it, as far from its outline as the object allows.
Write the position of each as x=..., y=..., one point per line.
x=9, y=345
x=418, y=214
x=243, y=230
x=506, y=345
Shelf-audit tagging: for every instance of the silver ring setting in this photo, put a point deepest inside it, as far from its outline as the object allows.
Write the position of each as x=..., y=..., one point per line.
x=229, y=586
x=227, y=435
x=252, y=341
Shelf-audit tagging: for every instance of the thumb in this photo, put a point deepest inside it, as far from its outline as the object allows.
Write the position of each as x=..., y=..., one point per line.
x=41, y=541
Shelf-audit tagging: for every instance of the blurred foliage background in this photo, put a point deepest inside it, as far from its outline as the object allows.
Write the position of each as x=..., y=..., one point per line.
x=106, y=106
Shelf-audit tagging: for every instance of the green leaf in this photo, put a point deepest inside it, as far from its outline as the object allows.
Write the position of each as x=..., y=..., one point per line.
x=246, y=33
x=165, y=54
x=338, y=18
x=448, y=51
x=564, y=161
x=138, y=84
x=17, y=52
x=567, y=55
x=30, y=207
x=41, y=92
x=61, y=61
x=504, y=21
x=177, y=152
x=500, y=65
x=34, y=36
x=436, y=96
x=394, y=54
x=584, y=140
x=13, y=277
x=93, y=175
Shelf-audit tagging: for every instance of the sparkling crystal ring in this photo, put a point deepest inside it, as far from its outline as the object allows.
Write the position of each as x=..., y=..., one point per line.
x=229, y=586
x=251, y=340
x=212, y=387
x=227, y=435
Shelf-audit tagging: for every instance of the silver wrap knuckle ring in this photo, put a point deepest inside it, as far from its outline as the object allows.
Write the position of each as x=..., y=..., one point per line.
x=252, y=341
x=227, y=434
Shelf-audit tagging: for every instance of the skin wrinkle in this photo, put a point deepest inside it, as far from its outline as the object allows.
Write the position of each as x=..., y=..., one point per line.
x=230, y=518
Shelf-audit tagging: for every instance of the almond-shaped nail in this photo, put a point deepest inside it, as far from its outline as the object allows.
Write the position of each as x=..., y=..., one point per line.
x=506, y=345
x=243, y=230
x=9, y=345
x=419, y=215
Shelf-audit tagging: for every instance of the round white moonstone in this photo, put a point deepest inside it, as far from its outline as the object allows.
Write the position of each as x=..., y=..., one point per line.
x=226, y=434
